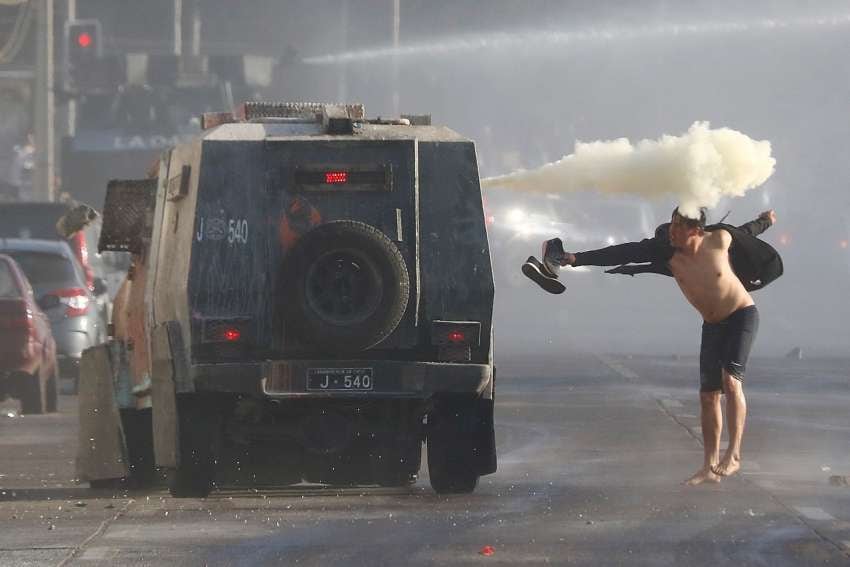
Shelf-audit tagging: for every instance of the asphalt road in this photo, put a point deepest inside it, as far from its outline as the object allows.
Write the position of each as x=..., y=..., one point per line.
x=592, y=452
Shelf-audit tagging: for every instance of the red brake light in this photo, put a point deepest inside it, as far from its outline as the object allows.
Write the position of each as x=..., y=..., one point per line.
x=75, y=300
x=232, y=335
x=336, y=177
x=457, y=337
x=84, y=40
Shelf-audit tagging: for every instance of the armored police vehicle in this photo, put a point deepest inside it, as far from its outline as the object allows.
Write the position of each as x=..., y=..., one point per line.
x=312, y=300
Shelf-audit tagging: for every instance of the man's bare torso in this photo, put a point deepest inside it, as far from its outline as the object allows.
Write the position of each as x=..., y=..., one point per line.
x=707, y=280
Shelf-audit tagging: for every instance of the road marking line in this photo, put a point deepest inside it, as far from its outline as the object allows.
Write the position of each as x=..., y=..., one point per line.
x=98, y=532
x=814, y=513
x=672, y=403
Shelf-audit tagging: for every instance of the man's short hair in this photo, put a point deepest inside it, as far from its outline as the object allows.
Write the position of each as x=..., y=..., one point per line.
x=691, y=222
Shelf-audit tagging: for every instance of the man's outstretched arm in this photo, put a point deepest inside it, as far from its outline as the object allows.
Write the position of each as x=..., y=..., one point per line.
x=756, y=226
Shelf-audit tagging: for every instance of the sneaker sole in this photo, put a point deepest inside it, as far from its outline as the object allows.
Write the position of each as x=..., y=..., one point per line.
x=533, y=273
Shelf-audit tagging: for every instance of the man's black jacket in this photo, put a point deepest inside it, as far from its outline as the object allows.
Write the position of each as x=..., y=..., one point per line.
x=756, y=263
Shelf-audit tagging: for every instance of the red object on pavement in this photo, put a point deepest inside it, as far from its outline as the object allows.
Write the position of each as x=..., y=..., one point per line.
x=487, y=550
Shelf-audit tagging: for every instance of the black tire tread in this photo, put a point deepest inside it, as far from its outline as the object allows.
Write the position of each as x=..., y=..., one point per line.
x=376, y=328
x=33, y=395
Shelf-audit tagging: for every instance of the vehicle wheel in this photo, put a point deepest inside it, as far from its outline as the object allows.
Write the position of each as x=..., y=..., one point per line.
x=347, y=286
x=52, y=393
x=138, y=434
x=198, y=431
x=74, y=387
x=450, y=475
x=33, y=394
x=453, y=454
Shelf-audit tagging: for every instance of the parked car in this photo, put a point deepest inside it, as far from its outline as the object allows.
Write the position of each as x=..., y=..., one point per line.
x=61, y=291
x=38, y=220
x=28, y=369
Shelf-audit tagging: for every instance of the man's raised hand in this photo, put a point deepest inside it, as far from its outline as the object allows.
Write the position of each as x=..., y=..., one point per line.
x=769, y=215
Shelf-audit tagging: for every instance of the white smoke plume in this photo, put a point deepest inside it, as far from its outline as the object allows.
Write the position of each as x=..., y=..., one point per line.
x=697, y=168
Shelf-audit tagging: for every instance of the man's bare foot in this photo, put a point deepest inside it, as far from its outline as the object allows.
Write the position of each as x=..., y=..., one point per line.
x=703, y=475
x=727, y=467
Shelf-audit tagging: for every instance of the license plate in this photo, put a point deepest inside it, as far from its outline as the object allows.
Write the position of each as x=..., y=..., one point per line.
x=340, y=379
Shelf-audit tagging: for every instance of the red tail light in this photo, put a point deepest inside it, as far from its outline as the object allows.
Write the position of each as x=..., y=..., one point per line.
x=336, y=177
x=232, y=335
x=456, y=337
x=75, y=300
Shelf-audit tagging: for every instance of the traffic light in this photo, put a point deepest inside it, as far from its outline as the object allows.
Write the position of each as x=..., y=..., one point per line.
x=83, y=52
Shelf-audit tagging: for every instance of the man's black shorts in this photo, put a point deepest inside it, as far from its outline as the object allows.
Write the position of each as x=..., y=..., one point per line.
x=726, y=345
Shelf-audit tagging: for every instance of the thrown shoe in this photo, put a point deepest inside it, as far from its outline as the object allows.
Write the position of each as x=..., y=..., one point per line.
x=553, y=252
x=542, y=276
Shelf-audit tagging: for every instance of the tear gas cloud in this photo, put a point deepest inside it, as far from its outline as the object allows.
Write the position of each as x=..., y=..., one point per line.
x=697, y=169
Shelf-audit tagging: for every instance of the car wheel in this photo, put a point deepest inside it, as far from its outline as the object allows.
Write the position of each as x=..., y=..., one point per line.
x=347, y=287
x=52, y=393
x=198, y=430
x=452, y=461
x=138, y=434
x=33, y=394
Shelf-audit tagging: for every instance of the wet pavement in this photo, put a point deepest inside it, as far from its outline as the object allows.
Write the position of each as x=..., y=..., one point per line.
x=592, y=452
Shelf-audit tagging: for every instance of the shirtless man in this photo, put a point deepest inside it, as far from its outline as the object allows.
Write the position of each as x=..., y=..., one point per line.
x=700, y=263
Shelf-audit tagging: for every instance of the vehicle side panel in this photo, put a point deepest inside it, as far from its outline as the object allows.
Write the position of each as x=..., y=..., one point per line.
x=457, y=277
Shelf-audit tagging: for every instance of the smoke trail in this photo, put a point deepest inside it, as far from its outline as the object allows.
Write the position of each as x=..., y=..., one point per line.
x=697, y=168
x=535, y=40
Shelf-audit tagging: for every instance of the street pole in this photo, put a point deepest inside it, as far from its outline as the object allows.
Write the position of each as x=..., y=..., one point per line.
x=72, y=104
x=44, y=108
x=178, y=27
x=396, y=25
x=342, y=75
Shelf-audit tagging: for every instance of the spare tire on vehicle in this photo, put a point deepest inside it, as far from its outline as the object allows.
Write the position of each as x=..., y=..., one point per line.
x=347, y=287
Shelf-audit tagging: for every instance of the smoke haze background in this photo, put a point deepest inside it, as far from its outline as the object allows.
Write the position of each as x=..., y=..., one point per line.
x=697, y=169
x=652, y=67
x=527, y=80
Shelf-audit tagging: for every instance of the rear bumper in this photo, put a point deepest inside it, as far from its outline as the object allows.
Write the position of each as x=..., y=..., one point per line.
x=392, y=379
x=70, y=343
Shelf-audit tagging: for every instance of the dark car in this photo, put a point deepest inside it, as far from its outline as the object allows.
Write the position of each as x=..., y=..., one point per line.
x=28, y=369
x=60, y=287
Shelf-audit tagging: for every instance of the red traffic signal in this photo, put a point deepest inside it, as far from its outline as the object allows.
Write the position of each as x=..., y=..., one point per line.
x=85, y=40
x=82, y=40
x=83, y=64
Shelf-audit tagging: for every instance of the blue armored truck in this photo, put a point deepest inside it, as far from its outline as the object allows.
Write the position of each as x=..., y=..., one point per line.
x=312, y=300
